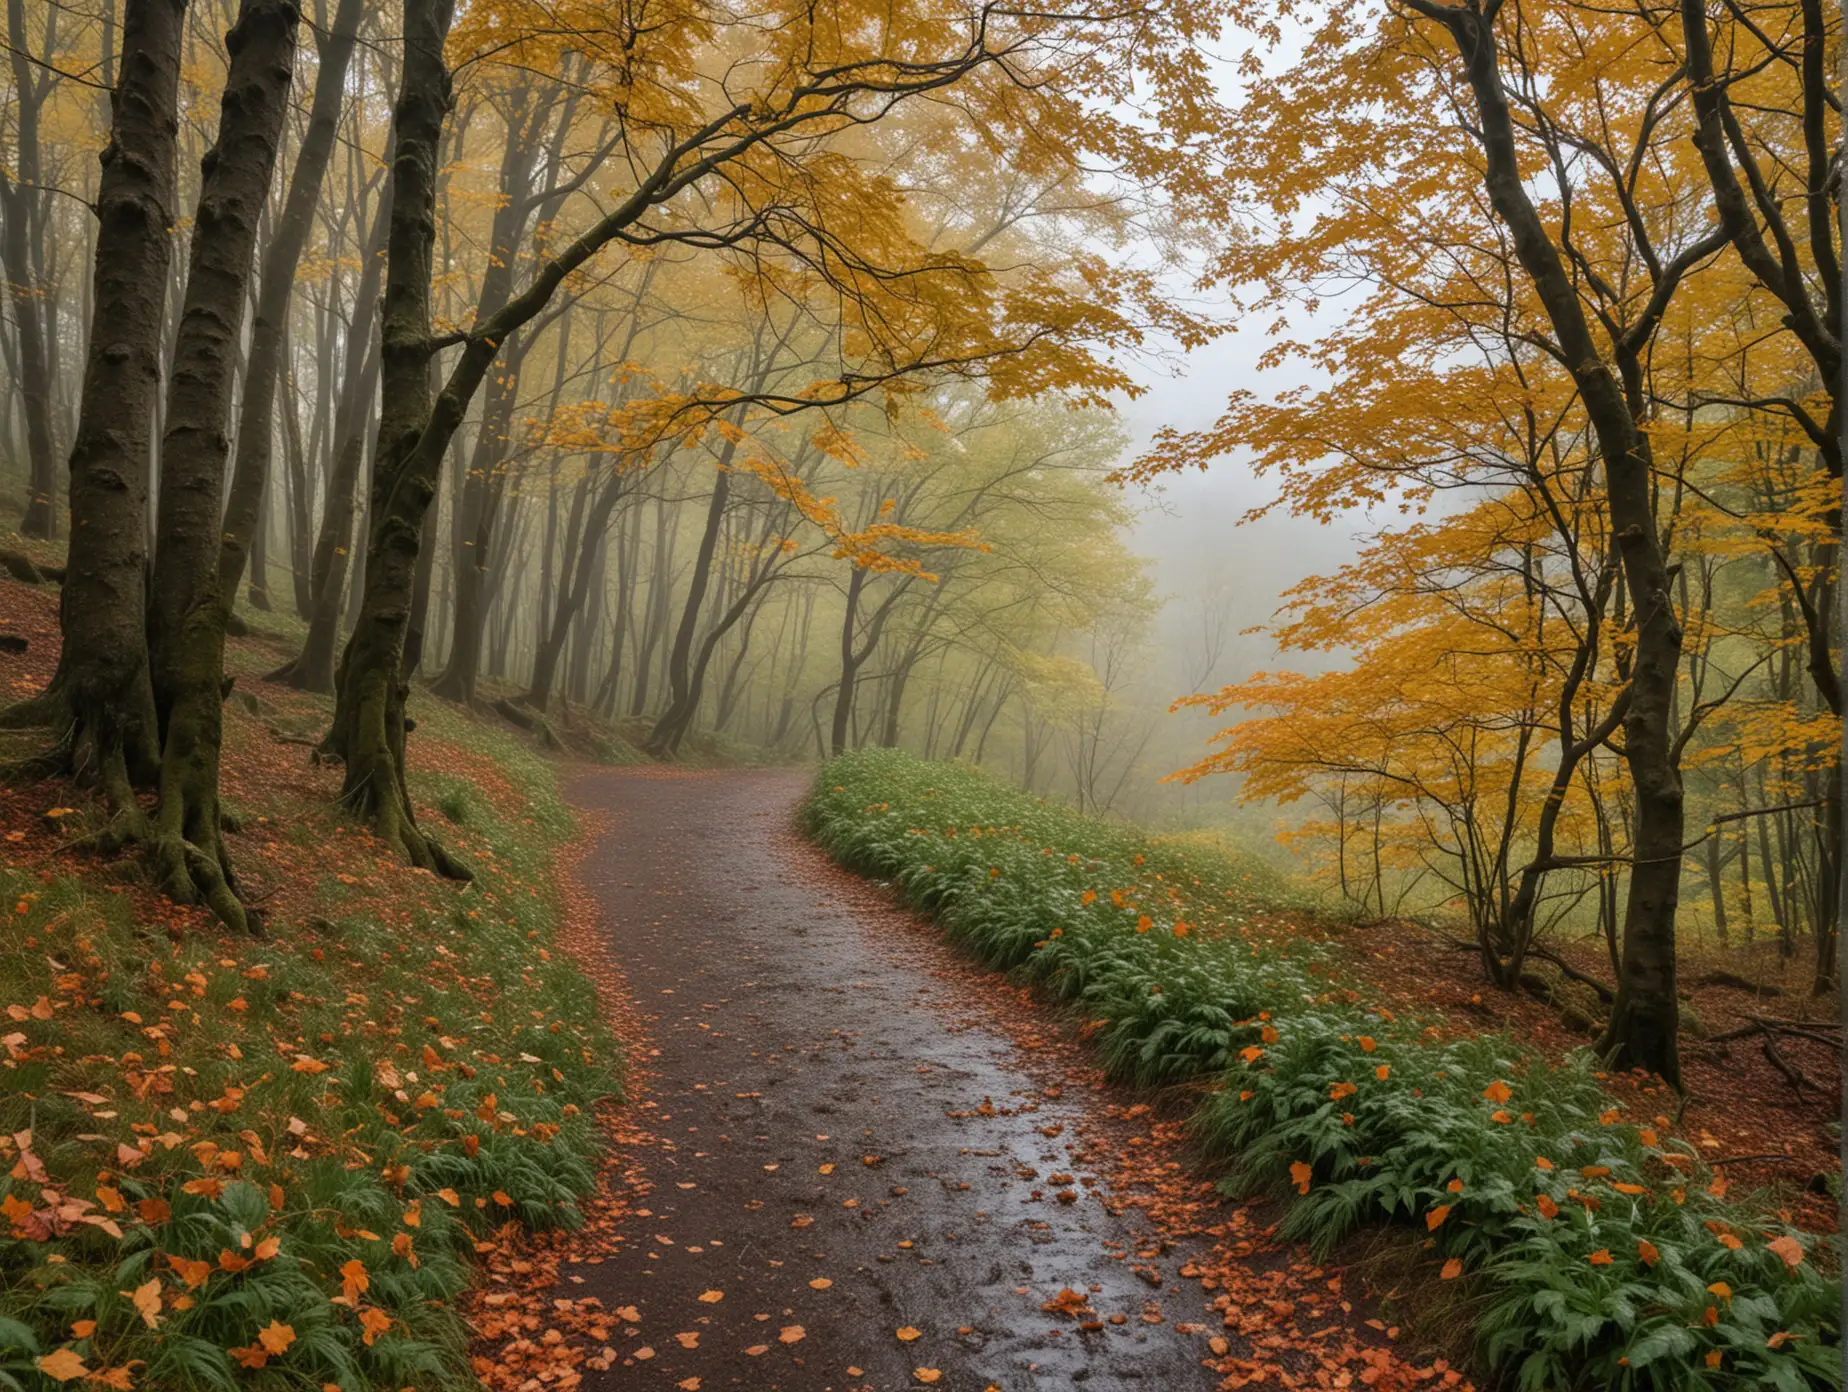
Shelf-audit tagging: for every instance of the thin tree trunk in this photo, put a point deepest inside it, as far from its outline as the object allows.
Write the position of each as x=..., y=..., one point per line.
x=22, y=248
x=328, y=571
x=1644, y=1026
x=256, y=428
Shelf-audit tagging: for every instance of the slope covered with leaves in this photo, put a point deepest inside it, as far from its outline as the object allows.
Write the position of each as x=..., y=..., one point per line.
x=272, y=1163
x=1611, y=1254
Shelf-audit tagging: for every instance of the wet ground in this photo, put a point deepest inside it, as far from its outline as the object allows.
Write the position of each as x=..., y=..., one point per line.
x=855, y=1184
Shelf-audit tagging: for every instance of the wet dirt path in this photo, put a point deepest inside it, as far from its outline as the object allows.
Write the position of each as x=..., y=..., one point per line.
x=881, y=1191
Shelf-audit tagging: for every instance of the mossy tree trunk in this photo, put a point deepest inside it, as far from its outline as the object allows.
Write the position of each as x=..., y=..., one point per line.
x=189, y=605
x=369, y=728
x=100, y=704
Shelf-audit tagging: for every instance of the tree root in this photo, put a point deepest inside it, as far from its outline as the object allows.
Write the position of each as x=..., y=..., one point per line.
x=389, y=815
x=47, y=709
x=190, y=874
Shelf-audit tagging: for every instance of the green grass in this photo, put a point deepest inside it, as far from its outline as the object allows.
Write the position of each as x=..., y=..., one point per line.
x=403, y=1069
x=1612, y=1258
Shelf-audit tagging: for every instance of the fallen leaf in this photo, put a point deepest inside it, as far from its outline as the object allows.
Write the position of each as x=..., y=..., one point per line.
x=61, y=1366
x=792, y=1334
x=277, y=1337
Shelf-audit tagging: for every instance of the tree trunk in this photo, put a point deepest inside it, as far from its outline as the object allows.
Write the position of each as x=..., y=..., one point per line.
x=313, y=669
x=256, y=427
x=483, y=491
x=654, y=619
x=368, y=728
x=188, y=605
x=22, y=253
x=100, y=701
x=573, y=586
x=675, y=720
x=1644, y=1023
x=22, y=206
x=850, y=666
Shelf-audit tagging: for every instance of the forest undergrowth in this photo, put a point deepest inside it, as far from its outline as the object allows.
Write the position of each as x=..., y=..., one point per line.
x=1610, y=1254
x=273, y=1162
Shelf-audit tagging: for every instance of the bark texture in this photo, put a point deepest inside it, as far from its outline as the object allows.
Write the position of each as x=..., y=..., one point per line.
x=100, y=703
x=1645, y=1019
x=368, y=729
x=189, y=608
x=256, y=429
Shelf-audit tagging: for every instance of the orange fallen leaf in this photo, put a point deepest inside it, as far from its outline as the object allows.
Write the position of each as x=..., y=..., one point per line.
x=908, y=1333
x=927, y=1374
x=146, y=1300
x=820, y=1283
x=277, y=1337
x=1300, y=1174
x=711, y=1297
x=1453, y=1268
x=1789, y=1249
x=792, y=1334
x=61, y=1366
x=1435, y=1218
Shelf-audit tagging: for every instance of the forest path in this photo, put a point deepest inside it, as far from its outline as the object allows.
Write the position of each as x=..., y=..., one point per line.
x=814, y=1076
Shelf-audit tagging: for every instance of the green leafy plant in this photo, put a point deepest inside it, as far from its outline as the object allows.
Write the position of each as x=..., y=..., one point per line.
x=1613, y=1258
